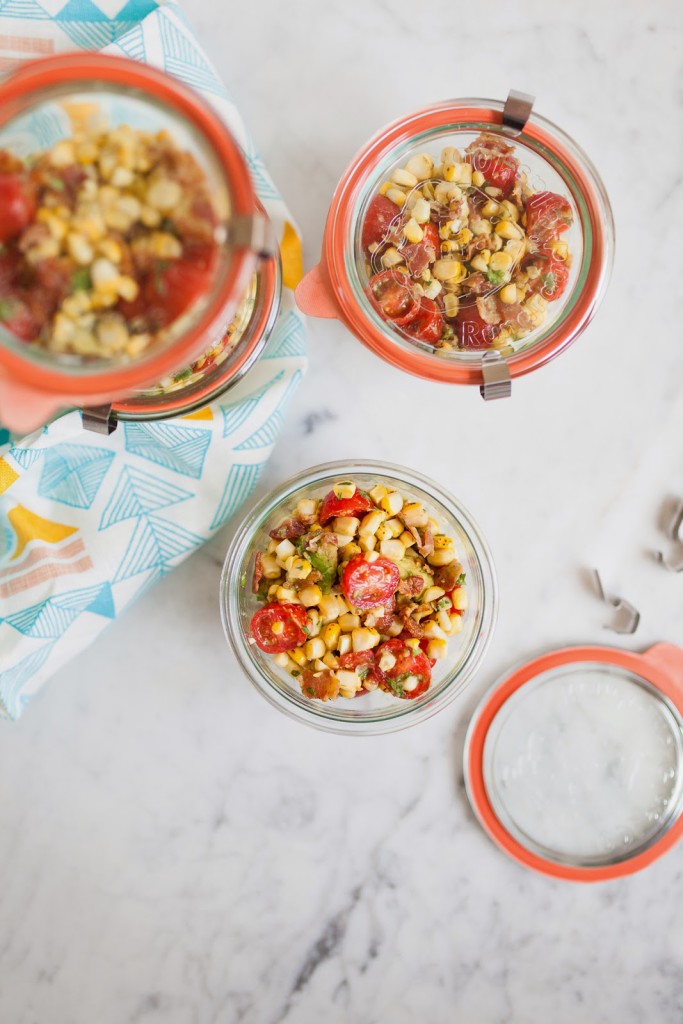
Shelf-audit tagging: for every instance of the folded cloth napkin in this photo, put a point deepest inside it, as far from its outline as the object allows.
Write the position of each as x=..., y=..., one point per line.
x=87, y=523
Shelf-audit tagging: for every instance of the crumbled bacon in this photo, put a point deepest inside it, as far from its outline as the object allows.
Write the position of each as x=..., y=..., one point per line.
x=491, y=144
x=323, y=537
x=478, y=284
x=258, y=572
x=411, y=627
x=412, y=585
x=424, y=540
x=313, y=577
x=515, y=316
x=487, y=308
x=321, y=685
x=292, y=528
x=447, y=575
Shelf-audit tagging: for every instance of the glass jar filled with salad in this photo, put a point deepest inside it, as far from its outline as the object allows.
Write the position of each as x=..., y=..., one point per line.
x=359, y=597
x=130, y=234
x=463, y=237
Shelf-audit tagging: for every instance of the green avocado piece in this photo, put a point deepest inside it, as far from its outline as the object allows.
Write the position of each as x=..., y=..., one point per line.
x=325, y=559
x=411, y=566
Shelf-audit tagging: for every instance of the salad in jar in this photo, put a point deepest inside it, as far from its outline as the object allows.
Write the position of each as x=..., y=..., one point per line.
x=106, y=240
x=463, y=254
x=361, y=590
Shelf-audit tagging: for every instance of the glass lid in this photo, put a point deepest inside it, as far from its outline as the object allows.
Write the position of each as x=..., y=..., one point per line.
x=580, y=766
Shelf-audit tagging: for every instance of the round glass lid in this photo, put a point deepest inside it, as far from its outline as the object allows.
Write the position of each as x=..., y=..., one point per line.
x=580, y=765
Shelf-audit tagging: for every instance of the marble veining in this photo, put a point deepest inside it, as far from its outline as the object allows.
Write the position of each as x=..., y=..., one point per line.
x=203, y=860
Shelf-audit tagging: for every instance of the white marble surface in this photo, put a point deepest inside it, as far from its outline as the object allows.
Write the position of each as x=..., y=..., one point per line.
x=172, y=849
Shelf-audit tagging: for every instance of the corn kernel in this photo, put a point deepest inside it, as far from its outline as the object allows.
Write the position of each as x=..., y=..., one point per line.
x=508, y=294
x=481, y=227
x=363, y=639
x=284, y=549
x=456, y=624
x=377, y=493
x=370, y=523
x=460, y=599
x=421, y=210
x=310, y=596
x=478, y=179
x=420, y=165
x=368, y=544
x=413, y=232
x=349, y=683
x=432, y=594
x=500, y=261
x=314, y=648
x=481, y=260
x=349, y=621
x=490, y=208
x=344, y=644
x=437, y=649
x=509, y=211
x=286, y=595
x=443, y=557
x=451, y=305
x=331, y=634
x=396, y=195
x=508, y=229
x=560, y=250
x=344, y=489
x=403, y=178
x=413, y=514
x=391, y=257
x=392, y=548
x=298, y=655
x=328, y=606
x=448, y=270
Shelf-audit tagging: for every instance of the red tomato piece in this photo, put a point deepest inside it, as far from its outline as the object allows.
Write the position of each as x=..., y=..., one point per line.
x=381, y=212
x=418, y=255
x=424, y=644
x=17, y=205
x=500, y=171
x=408, y=663
x=292, y=618
x=473, y=332
x=392, y=295
x=16, y=317
x=363, y=660
x=429, y=323
x=547, y=215
x=333, y=506
x=553, y=280
x=369, y=584
x=171, y=289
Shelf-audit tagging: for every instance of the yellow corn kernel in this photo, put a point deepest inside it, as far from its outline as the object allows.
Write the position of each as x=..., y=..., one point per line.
x=478, y=179
x=463, y=174
x=165, y=246
x=344, y=489
x=432, y=594
x=314, y=648
x=328, y=605
x=349, y=621
x=490, y=208
x=112, y=333
x=481, y=227
x=508, y=294
x=394, y=527
x=456, y=624
x=501, y=261
x=396, y=195
x=464, y=236
x=286, y=595
x=330, y=660
x=413, y=232
x=392, y=502
x=385, y=186
x=560, y=250
x=298, y=655
x=481, y=260
x=386, y=661
x=420, y=165
x=432, y=630
x=448, y=270
x=403, y=178
x=443, y=557
x=164, y=194
x=346, y=525
x=509, y=211
x=63, y=154
x=350, y=551
x=451, y=305
x=433, y=289
x=55, y=225
x=344, y=645
x=370, y=523
x=448, y=170
x=391, y=257
x=363, y=639
x=437, y=649
x=508, y=229
x=460, y=599
x=392, y=548
x=413, y=643
x=330, y=635
x=413, y=514
x=368, y=544
x=349, y=683
x=285, y=549
x=310, y=596
x=421, y=210
x=446, y=192
x=442, y=542
x=300, y=569
x=278, y=627
x=271, y=570
x=406, y=538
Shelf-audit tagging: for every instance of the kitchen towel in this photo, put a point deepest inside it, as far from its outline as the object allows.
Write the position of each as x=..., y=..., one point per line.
x=86, y=522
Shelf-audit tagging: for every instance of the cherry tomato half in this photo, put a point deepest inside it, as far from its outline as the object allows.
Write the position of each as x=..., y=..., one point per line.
x=553, y=280
x=473, y=332
x=408, y=663
x=17, y=206
x=333, y=506
x=369, y=584
x=418, y=255
x=363, y=660
x=170, y=289
x=290, y=620
x=429, y=323
x=392, y=295
x=547, y=215
x=381, y=212
x=498, y=170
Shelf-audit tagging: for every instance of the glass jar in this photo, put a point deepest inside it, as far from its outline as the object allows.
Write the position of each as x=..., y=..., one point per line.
x=40, y=105
x=375, y=712
x=552, y=164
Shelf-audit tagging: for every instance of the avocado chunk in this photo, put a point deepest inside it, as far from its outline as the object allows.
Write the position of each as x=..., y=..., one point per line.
x=325, y=558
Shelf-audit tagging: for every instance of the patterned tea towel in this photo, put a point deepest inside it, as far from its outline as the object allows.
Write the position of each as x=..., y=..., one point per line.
x=86, y=522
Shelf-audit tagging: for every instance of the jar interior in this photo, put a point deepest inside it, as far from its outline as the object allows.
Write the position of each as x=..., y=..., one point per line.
x=543, y=172
x=450, y=674
x=71, y=112
x=584, y=764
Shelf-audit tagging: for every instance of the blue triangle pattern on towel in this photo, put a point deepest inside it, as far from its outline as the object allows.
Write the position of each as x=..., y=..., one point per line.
x=155, y=543
x=25, y=457
x=23, y=9
x=184, y=59
x=267, y=434
x=264, y=186
x=181, y=449
x=72, y=474
x=12, y=680
x=81, y=10
x=137, y=493
x=240, y=483
x=288, y=339
x=50, y=618
x=236, y=413
x=133, y=43
x=91, y=35
x=136, y=10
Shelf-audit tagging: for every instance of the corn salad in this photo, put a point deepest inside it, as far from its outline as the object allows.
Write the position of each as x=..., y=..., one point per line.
x=463, y=254
x=361, y=590
x=107, y=238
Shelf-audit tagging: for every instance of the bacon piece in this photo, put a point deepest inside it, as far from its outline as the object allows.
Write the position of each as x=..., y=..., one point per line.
x=446, y=576
x=411, y=627
x=324, y=537
x=313, y=577
x=477, y=284
x=515, y=316
x=321, y=685
x=487, y=307
x=492, y=144
x=424, y=540
x=413, y=585
x=292, y=528
x=258, y=572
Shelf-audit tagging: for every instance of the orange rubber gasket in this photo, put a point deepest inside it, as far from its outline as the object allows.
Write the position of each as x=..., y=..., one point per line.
x=662, y=666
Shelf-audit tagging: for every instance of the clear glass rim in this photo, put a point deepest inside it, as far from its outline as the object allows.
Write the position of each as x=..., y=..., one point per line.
x=405, y=713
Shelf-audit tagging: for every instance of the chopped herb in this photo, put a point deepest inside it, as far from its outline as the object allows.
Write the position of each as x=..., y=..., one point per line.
x=295, y=672
x=243, y=580
x=310, y=690
x=363, y=672
x=157, y=276
x=495, y=277
x=443, y=602
x=81, y=280
x=306, y=630
x=460, y=582
x=55, y=183
x=5, y=309
x=395, y=685
x=548, y=282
